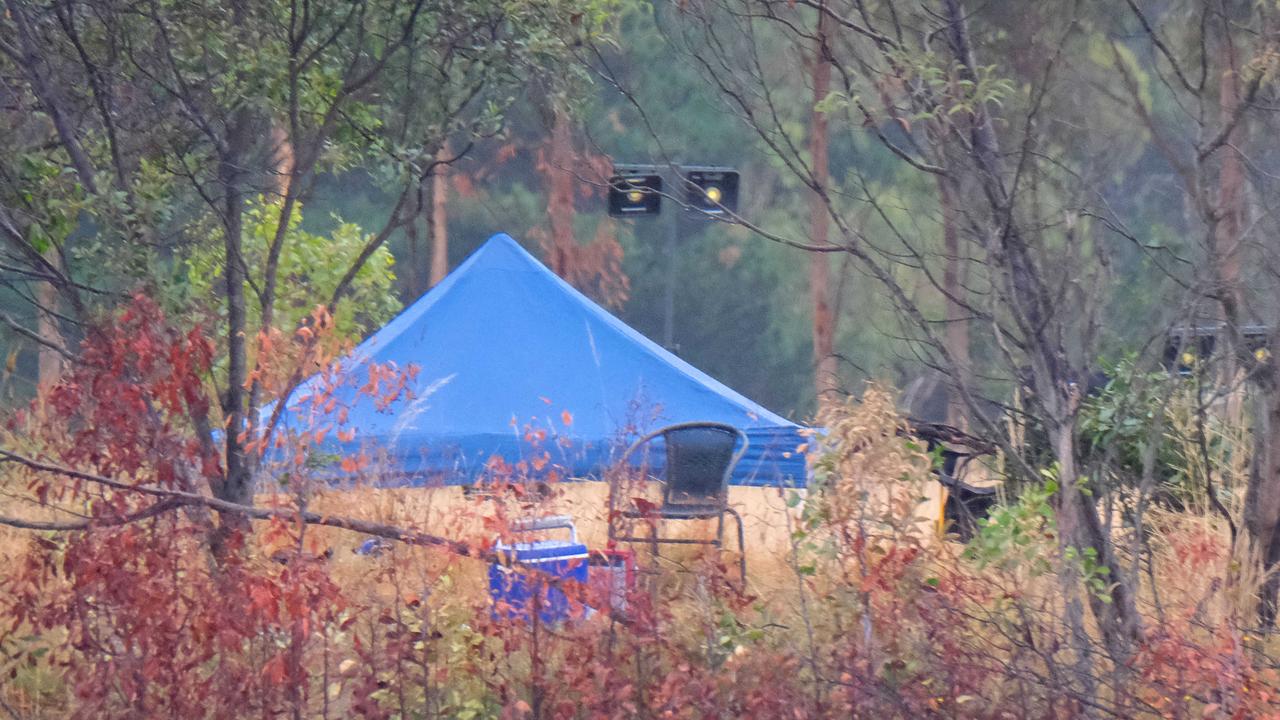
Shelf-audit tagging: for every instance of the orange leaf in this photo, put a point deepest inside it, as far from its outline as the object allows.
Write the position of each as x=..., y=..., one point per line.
x=274, y=670
x=566, y=417
x=505, y=153
x=262, y=596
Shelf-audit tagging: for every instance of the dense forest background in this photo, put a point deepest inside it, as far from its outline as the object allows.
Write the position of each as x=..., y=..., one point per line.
x=742, y=303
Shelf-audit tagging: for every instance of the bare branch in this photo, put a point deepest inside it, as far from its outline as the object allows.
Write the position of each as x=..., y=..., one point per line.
x=179, y=498
x=1161, y=46
x=151, y=511
x=1220, y=140
x=29, y=61
x=35, y=337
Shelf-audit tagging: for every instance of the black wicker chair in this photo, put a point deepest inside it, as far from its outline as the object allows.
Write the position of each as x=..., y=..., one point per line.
x=700, y=458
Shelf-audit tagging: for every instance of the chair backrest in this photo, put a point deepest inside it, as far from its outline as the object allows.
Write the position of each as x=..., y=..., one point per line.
x=700, y=458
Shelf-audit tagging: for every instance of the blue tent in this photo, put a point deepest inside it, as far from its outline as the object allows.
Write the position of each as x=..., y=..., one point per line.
x=515, y=363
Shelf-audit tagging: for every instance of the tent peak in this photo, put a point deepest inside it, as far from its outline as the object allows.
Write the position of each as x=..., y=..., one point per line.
x=502, y=252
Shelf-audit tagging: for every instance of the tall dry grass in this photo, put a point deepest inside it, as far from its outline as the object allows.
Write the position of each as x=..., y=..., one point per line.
x=854, y=608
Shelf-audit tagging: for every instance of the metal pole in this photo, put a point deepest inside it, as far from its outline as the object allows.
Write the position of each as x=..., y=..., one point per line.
x=674, y=211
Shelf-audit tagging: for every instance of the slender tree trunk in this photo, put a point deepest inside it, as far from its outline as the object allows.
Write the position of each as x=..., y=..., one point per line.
x=1033, y=307
x=233, y=162
x=1069, y=515
x=237, y=486
x=283, y=160
x=417, y=273
x=560, y=211
x=1081, y=528
x=48, y=360
x=957, y=332
x=439, y=218
x=1262, y=495
x=1229, y=228
x=1231, y=185
x=283, y=177
x=826, y=368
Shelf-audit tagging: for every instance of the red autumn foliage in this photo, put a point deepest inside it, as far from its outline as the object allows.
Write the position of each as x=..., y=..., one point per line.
x=138, y=619
x=127, y=405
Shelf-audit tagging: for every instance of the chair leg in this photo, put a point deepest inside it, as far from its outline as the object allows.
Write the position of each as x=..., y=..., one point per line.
x=653, y=535
x=742, y=544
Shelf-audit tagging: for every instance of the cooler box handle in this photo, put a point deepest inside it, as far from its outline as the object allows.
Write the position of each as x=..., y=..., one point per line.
x=549, y=522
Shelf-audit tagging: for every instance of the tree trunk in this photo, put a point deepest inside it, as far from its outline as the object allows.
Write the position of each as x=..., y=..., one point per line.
x=1231, y=185
x=1058, y=395
x=48, y=360
x=237, y=486
x=1069, y=518
x=560, y=210
x=1262, y=497
x=1080, y=531
x=233, y=172
x=826, y=368
x=415, y=277
x=957, y=332
x=1229, y=228
x=439, y=219
x=283, y=160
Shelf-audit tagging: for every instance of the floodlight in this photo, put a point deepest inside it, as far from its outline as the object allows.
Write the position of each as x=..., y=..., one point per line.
x=635, y=193
x=712, y=190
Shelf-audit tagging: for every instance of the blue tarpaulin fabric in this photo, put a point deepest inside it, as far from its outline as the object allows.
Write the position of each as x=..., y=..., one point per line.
x=515, y=363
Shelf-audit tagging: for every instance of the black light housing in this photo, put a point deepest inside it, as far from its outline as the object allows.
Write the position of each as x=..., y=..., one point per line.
x=634, y=192
x=1255, y=338
x=1187, y=347
x=711, y=190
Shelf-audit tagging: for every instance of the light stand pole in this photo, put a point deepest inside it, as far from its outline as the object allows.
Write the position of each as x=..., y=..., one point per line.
x=635, y=190
x=669, y=295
